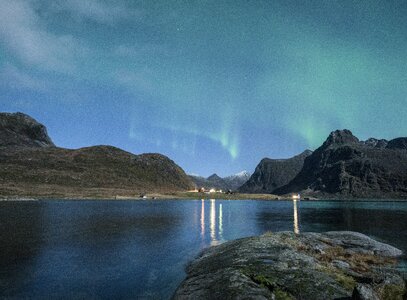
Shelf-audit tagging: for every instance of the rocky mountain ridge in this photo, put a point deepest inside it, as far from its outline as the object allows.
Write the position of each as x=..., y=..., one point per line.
x=346, y=167
x=232, y=182
x=31, y=165
x=343, y=167
x=271, y=174
x=19, y=129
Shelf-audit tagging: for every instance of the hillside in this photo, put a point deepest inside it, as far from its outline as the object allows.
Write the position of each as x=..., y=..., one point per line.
x=271, y=174
x=346, y=167
x=30, y=165
x=21, y=130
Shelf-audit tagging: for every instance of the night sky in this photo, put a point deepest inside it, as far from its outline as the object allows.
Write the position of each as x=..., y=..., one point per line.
x=214, y=85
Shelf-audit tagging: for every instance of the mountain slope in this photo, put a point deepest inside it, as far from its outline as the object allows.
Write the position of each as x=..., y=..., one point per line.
x=31, y=165
x=21, y=130
x=237, y=180
x=345, y=167
x=271, y=174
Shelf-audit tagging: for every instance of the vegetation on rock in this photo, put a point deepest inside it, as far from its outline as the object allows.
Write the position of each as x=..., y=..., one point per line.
x=331, y=265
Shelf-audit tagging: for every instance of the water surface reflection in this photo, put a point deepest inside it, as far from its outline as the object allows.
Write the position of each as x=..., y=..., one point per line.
x=215, y=222
x=139, y=249
x=296, y=226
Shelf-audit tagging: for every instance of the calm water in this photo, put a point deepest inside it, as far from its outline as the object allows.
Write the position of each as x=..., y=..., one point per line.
x=138, y=249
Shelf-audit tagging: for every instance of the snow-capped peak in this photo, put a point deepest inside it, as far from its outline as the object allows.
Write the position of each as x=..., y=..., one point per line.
x=244, y=174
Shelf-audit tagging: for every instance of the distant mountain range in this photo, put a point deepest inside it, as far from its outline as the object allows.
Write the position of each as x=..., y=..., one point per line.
x=342, y=167
x=232, y=182
x=31, y=165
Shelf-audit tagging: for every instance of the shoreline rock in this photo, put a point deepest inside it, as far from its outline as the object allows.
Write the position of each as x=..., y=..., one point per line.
x=331, y=265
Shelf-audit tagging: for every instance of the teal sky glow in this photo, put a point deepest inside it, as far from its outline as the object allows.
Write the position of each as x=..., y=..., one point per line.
x=215, y=85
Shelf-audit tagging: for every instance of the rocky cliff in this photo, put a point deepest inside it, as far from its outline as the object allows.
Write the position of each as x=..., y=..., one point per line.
x=30, y=165
x=271, y=174
x=21, y=130
x=346, y=167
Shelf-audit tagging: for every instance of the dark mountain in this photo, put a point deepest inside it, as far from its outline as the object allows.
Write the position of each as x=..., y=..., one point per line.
x=215, y=179
x=271, y=174
x=232, y=182
x=372, y=142
x=199, y=181
x=31, y=165
x=345, y=167
x=398, y=143
x=21, y=130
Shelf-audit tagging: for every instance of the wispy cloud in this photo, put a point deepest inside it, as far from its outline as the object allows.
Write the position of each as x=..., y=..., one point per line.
x=134, y=81
x=24, y=34
x=99, y=11
x=15, y=78
x=142, y=50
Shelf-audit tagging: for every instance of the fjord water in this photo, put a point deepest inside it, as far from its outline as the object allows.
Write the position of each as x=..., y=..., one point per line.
x=139, y=249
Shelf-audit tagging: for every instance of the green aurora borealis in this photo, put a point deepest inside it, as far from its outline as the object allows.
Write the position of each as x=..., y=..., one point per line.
x=215, y=85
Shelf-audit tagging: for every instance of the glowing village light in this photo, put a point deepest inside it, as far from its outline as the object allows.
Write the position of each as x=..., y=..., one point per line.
x=296, y=197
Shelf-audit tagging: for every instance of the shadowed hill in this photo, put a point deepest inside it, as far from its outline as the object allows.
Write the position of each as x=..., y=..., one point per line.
x=271, y=174
x=31, y=165
x=346, y=167
x=21, y=130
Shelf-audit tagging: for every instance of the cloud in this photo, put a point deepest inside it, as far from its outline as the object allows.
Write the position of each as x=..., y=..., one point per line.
x=142, y=50
x=98, y=11
x=25, y=36
x=134, y=80
x=15, y=78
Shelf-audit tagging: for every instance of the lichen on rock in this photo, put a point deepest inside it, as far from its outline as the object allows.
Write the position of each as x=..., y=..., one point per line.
x=331, y=265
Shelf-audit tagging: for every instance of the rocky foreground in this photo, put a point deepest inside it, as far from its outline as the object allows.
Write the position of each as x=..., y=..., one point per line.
x=331, y=265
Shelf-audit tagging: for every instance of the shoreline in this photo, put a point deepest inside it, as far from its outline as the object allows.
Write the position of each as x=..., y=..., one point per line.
x=186, y=196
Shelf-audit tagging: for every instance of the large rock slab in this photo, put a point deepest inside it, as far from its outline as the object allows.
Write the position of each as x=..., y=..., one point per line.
x=331, y=265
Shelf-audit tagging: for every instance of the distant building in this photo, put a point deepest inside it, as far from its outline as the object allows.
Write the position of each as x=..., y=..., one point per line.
x=296, y=197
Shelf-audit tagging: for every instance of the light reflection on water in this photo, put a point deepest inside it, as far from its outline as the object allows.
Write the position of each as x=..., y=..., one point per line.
x=215, y=222
x=296, y=225
x=203, y=218
x=220, y=222
x=212, y=221
x=126, y=249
